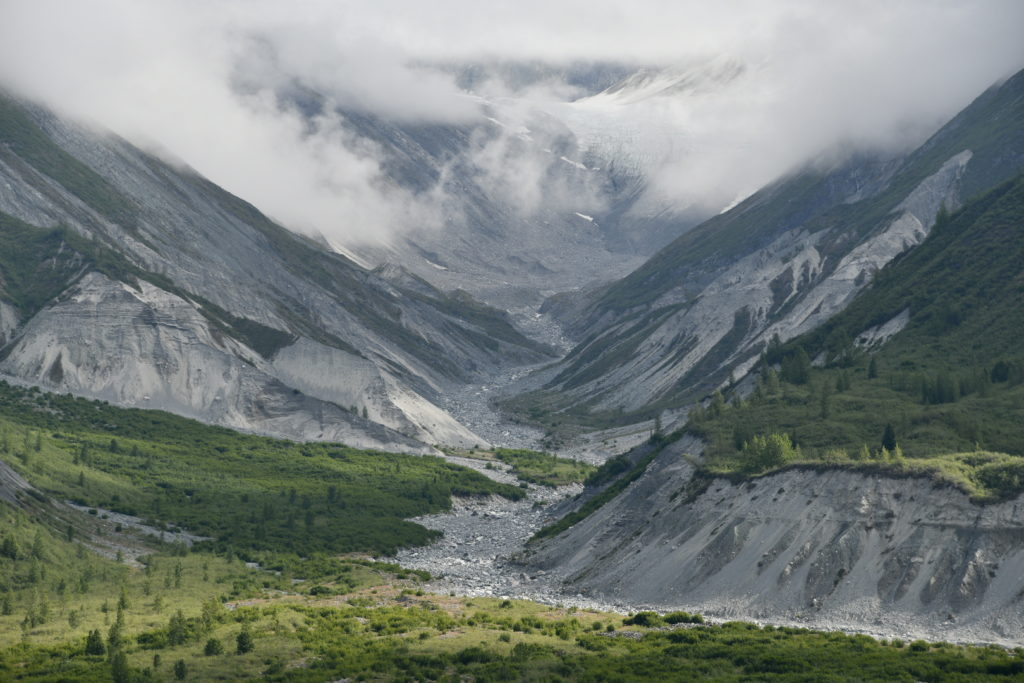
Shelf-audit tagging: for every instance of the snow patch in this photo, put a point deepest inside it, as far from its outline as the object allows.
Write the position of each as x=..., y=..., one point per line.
x=349, y=254
x=577, y=164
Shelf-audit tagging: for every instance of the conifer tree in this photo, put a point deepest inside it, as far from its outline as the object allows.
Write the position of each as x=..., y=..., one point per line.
x=244, y=642
x=94, y=643
x=115, y=636
x=120, y=672
x=889, y=438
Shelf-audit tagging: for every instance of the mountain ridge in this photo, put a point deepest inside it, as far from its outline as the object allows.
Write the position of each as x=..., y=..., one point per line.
x=780, y=262
x=236, y=273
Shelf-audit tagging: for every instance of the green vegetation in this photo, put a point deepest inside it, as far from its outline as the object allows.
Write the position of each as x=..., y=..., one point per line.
x=384, y=633
x=53, y=590
x=544, y=468
x=653, y=619
x=941, y=399
x=37, y=265
x=33, y=269
x=69, y=614
x=248, y=493
x=535, y=467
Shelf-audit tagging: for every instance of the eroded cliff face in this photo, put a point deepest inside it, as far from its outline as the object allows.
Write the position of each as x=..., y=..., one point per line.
x=825, y=548
x=148, y=348
x=349, y=380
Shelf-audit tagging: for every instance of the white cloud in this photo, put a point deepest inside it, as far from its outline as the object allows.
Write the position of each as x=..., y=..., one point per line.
x=859, y=73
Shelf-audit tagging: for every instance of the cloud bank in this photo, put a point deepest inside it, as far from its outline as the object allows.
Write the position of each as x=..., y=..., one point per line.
x=202, y=80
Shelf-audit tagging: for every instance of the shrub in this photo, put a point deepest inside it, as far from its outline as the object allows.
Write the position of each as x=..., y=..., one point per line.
x=768, y=452
x=683, y=618
x=648, y=619
x=213, y=647
x=244, y=642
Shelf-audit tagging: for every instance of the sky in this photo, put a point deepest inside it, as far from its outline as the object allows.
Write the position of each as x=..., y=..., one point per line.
x=196, y=79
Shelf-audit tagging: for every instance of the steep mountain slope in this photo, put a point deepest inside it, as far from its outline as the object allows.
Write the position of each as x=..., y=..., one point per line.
x=558, y=183
x=513, y=181
x=161, y=289
x=930, y=544
x=931, y=348
x=781, y=263
x=513, y=184
x=957, y=296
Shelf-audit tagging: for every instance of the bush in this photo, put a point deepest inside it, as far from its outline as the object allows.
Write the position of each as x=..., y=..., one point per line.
x=609, y=470
x=683, y=618
x=475, y=654
x=768, y=452
x=244, y=642
x=213, y=647
x=648, y=619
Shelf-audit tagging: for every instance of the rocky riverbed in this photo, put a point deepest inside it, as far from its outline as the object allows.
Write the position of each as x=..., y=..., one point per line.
x=480, y=537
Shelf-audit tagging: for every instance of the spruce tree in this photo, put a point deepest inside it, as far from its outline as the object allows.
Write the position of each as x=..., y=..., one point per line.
x=889, y=438
x=244, y=642
x=9, y=548
x=115, y=636
x=94, y=643
x=177, y=629
x=120, y=672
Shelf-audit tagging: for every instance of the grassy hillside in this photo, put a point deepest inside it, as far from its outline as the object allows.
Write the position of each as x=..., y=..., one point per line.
x=951, y=382
x=246, y=492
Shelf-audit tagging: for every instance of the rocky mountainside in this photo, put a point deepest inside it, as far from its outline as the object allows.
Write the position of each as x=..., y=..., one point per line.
x=513, y=181
x=830, y=549
x=524, y=211
x=864, y=543
x=557, y=185
x=779, y=264
x=126, y=278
